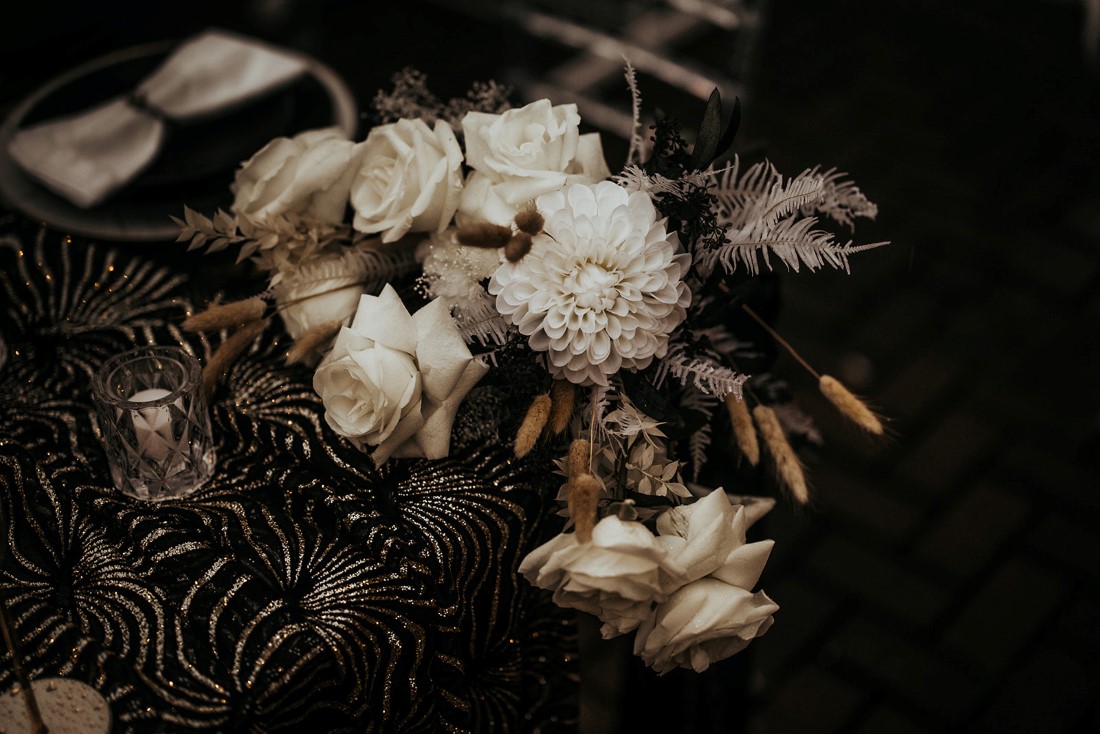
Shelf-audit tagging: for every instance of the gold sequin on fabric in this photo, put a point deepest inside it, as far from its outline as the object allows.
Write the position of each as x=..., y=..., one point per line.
x=301, y=589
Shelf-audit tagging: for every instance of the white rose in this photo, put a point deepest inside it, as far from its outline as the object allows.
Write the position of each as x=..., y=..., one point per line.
x=523, y=153
x=713, y=614
x=394, y=381
x=408, y=181
x=705, y=621
x=309, y=174
x=616, y=576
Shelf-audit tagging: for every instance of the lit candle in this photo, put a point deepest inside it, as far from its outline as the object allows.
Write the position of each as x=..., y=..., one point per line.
x=153, y=426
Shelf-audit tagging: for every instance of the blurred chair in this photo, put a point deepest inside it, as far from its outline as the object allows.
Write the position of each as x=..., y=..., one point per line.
x=574, y=51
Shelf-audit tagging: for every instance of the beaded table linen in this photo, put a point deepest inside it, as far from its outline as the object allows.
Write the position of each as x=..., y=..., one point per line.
x=300, y=587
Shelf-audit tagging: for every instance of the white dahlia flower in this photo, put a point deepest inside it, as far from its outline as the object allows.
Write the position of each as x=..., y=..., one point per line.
x=602, y=287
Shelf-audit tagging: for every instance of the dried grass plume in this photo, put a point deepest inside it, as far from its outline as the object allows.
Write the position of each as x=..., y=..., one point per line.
x=563, y=398
x=744, y=432
x=533, y=423
x=517, y=247
x=226, y=315
x=483, y=234
x=577, y=463
x=849, y=405
x=581, y=501
x=530, y=221
x=226, y=354
x=787, y=464
x=313, y=342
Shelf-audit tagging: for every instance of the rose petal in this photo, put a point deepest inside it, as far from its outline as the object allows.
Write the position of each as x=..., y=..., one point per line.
x=385, y=319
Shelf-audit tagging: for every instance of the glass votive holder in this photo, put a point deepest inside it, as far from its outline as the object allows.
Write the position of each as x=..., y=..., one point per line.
x=154, y=422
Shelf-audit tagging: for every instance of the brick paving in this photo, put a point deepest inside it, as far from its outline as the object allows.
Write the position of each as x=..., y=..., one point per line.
x=947, y=579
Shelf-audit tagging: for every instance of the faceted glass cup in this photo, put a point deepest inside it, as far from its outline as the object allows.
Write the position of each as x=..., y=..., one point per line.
x=154, y=422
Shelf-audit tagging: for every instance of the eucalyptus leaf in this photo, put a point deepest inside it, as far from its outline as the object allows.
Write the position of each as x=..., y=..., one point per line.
x=710, y=130
x=726, y=141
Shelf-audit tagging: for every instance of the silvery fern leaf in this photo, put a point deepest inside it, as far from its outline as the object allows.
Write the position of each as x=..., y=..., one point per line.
x=782, y=200
x=699, y=441
x=793, y=241
x=699, y=371
x=479, y=320
x=633, y=178
x=840, y=200
x=637, y=143
x=737, y=192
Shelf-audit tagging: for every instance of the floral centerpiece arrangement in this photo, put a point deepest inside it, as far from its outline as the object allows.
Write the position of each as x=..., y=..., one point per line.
x=620, y=289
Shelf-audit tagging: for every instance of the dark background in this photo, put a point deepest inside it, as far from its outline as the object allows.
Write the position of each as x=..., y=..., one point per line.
x=945, y=579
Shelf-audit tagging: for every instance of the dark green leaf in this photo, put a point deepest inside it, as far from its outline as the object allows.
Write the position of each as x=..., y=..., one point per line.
x=731, y=129
x=710, y=130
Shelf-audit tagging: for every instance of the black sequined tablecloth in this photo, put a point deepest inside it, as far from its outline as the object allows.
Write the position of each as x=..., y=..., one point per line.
x=301, y=589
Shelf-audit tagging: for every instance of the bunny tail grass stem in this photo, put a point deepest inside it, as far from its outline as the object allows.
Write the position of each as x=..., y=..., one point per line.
x=563, y=399
x=787, y=464
x=226, y=354
x=581, y=502
x=226, y=315
x=578, y=461
x=744, y=432
x=849, y=405
x=533, y=423
x=312, y=341
x=483, y=234
x=782, y=342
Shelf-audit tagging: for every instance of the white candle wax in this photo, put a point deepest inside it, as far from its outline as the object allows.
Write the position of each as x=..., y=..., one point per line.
x=153, y=426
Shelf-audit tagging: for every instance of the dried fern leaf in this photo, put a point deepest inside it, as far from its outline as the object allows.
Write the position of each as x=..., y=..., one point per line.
x=840, y=200
x=705, y=374
x=634, y=150
x=478, y=320
x=794, y=242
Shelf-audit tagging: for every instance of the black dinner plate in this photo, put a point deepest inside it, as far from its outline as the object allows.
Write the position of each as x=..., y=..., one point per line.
x=196, y=165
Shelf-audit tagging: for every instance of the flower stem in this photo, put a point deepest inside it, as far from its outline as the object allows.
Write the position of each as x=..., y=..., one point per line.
x=783, y=342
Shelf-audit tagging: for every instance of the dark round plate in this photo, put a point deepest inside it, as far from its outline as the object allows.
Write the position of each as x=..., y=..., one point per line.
x=195, y=166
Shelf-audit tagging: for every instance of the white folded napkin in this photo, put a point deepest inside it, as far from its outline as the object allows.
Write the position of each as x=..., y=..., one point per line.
x=88, y=156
